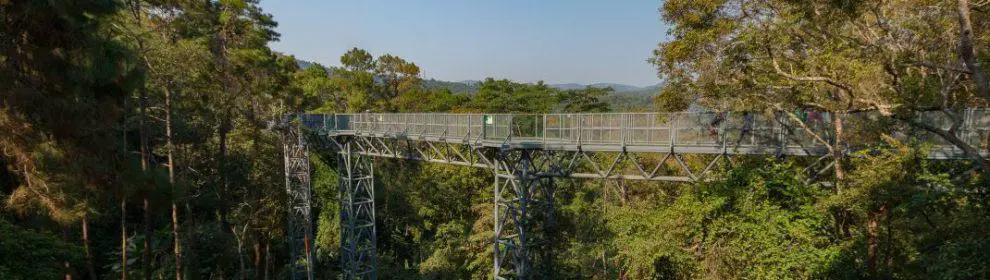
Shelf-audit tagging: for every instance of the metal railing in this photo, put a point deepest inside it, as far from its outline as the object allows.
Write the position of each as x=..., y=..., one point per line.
x=702, y=129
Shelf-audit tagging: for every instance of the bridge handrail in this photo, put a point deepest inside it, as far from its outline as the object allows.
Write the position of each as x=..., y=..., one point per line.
x=696, y=129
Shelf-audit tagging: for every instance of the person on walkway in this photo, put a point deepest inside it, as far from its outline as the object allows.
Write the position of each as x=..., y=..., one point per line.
x=747, y=127
x=716, y=120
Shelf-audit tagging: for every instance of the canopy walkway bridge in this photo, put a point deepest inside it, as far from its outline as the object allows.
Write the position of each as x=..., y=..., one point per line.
x=527, y=152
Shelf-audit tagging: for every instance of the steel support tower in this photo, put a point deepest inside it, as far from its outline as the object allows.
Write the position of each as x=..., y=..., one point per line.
x=523, y=215
x=300, y=220
x=357, y=213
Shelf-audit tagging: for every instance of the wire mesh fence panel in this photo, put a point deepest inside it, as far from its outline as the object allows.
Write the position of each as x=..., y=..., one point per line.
x=497, y=126
x=477, y=126
x=359, y=123
x=526, y=126
x=439, y=125
x=600, y=129
x=936, y=120
x=647, y=129
x=456, y=126
x=698, y=129
x=554, y=130
x=392, y=124
x=562, y=128
x=314, y=122
x=803, y=132
x=419, y=124
x=973, y=129
x=978, y=132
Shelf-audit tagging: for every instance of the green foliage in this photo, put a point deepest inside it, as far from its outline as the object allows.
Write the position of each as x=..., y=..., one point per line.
x=587, y=100
x=762, y=220
x=319, y=92
x=60, y=101
x=29, y=254
x=455, y=87
x=885, y=217
x=630, y=101
x=504, y=96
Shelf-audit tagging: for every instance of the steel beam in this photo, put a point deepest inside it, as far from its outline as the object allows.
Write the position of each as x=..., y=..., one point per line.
x=357, y=213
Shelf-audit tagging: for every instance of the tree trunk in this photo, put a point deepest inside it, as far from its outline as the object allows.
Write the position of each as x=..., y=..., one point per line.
x=146, y=251
x=838, y=152
x=257, y=258
x=872, y=232
x=85, y=238
x=190, y=243
x=137, y=12
x=240, y=249
x=146, y=254
x=889, y=244
x=222, y=188
x=604, y=195
x=624, y=191
x=123, y=211
x=222, y=168
x=177, y=246
x=142, y=130
x=66, y=264
x=268, y=260
x=123, y=239
x=967, y=49
x=176, y=240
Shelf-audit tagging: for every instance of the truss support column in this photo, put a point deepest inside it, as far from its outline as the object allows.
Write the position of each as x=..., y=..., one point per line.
x=357, y=213
x=523, y=216
x=300, y=220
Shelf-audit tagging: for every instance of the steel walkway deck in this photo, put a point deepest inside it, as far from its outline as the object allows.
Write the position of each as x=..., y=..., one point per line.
x=683, y=133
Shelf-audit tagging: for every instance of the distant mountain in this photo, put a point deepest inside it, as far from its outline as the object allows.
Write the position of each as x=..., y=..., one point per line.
x=625, y=98
x=467, y=86
x=471, y=86
x=567, y=86
x=470, y=82
x=616, y=87
x=619, y=88
x=303, y=64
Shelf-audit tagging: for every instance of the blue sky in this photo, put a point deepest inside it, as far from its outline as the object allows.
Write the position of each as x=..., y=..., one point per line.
x=558, y=41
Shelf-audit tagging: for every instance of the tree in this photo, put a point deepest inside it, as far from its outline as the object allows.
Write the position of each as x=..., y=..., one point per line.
x=32, y=255
x=398, y=76
x=584, y=100
x=840, y=57
x=504, y=96
x=357, y=59
x=320, y=92
x=65, y=82
x=356, y=80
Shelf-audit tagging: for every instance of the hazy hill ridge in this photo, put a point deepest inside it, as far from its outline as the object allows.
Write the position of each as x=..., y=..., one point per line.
x=470, y=86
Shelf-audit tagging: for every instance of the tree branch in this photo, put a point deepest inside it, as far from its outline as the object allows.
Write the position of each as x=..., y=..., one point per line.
x=804, y=127
x=827, y=80
x=883, y=109
x=966, y=51
x=968, y=150
x=939, y=67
